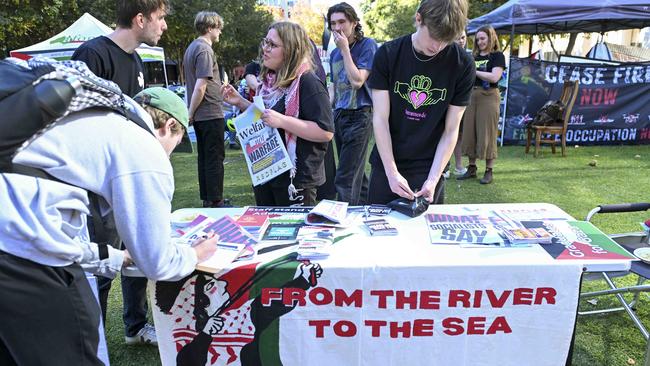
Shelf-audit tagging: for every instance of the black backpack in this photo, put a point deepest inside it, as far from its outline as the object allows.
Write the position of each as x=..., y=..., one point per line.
x=550, y=113
x=35, y=95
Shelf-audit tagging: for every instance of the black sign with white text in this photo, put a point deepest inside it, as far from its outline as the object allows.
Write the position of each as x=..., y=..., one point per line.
x=612, y=106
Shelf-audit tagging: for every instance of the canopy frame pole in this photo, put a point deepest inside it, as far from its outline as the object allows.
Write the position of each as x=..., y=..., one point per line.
x=505, y=100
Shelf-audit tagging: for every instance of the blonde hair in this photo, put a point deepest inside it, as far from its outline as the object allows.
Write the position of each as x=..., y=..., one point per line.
x=493, y=40
x=205, y=20
x=297, y=49
x=160, y=118
x=445, y=19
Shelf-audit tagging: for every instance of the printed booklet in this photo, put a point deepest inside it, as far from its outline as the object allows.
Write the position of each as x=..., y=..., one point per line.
x=264, y=151
x=234, y=242
x=256, y=219
x=581, y=240
x=315, y=245
x=380, y=227
x=467, y=230
x=333, y=214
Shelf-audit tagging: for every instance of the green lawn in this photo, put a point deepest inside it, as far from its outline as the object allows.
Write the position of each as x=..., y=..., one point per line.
x=621, y=174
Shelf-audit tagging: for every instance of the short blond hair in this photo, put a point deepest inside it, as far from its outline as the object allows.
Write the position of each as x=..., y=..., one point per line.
x=445, y=19
x=206, y=20
x=160, y=118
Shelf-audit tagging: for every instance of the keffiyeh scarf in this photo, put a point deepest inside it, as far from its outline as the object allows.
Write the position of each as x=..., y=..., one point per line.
x=271, y=94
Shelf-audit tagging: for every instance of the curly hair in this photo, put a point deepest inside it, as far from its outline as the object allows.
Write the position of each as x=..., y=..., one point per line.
x=350, y=15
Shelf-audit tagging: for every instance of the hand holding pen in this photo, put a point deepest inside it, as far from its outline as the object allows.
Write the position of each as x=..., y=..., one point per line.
x=205, y=246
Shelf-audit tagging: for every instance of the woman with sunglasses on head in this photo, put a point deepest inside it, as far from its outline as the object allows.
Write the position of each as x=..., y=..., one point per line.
x=297, y=104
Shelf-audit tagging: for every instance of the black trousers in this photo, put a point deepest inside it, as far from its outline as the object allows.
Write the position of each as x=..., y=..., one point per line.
x=48, y=315
x=379, y=190
x=211, y=151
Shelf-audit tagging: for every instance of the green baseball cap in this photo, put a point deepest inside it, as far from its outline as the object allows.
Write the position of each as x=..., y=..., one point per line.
x=165, y=100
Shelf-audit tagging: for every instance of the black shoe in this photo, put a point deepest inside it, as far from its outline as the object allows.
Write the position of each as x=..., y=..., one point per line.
x=487, y=177
x=470, y=173
x=218, y=203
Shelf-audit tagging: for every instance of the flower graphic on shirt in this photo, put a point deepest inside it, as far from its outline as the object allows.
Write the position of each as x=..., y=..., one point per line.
x=419, y=92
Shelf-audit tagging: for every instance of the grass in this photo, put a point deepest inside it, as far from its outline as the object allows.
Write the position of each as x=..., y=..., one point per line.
x=569, y=182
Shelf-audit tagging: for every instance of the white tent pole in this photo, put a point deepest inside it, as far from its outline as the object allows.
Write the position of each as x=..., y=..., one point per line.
x=165, y=69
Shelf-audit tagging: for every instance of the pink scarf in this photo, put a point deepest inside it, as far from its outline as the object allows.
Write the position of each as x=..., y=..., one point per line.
x=271, y=95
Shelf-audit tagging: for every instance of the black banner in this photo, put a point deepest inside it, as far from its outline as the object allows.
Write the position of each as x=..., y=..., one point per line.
x=612, y=107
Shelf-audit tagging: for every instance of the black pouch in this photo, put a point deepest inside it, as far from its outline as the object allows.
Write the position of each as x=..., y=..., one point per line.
x=410, y=208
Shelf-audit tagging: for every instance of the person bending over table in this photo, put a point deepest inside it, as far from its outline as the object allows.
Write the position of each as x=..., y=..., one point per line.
x=298, y=106
x=420, y=85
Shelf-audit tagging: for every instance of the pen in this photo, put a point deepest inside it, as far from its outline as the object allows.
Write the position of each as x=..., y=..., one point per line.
x=228, y=246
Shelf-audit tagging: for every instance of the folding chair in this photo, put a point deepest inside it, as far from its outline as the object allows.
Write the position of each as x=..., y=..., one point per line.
x=629, y=241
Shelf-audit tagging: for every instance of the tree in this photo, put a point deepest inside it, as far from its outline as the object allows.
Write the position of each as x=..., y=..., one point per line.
x=388, y=19
x=312, y=21
x=245, y=24
x=25, y=22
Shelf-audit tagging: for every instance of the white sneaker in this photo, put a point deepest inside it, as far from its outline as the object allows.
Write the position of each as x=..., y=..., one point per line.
x=446, y=174
x=461, y=171
x=146, y=335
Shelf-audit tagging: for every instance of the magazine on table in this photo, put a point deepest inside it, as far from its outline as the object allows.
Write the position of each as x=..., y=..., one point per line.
x=264, y=151
x=380, y=227
x=581, y=240
x=334, y=214
x=465, y=230
x=282, y=231
x=315, y=244
x=256, y=218
x=234, y=243
x=529, y=232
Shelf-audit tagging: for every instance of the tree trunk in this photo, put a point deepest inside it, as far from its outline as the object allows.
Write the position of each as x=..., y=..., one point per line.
x=572, y=43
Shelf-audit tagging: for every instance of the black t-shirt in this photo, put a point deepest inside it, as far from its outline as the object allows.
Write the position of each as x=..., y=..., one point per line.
x=108, y=61
x=420, y=93
x=487, y=63
x=252, y=68
x=315, y=107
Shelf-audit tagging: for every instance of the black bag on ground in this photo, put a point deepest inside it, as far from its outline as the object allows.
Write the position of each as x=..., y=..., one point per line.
x=550, y=114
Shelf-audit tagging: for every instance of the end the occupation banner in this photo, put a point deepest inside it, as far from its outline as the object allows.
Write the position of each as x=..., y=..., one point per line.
x=611, y=108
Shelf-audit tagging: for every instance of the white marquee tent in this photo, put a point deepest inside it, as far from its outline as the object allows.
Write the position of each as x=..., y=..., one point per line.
x=63, y=45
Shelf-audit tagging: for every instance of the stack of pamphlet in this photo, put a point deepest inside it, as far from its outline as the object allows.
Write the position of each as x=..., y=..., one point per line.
x=380, y=227
x=333, y=214
x=315, y=244
x=377, y=210
x=234, y=243
x=529, y=232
